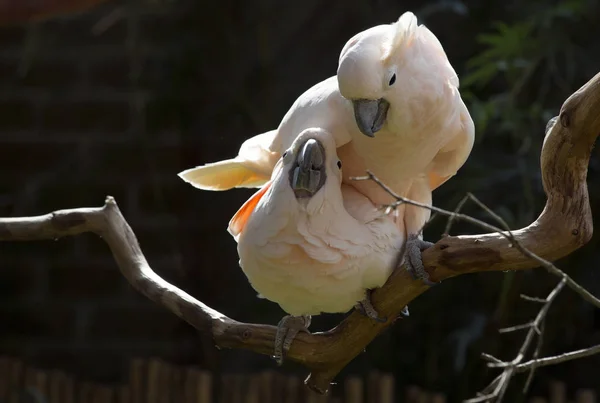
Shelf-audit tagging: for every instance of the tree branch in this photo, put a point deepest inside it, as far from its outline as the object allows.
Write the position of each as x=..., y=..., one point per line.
x=557, y=359
x=564, y=225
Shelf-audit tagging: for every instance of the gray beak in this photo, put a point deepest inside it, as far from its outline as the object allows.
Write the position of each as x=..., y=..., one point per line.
x=370, y=115
x=307, y=174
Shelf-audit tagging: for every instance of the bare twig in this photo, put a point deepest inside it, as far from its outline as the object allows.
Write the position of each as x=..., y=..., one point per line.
x=511, y=367
x=514, y=242
x=543, y=362
x=564, y=225
x=458, y=208
x=532, y=299
x=515, y=328
x=536, y=355
x=490, y=358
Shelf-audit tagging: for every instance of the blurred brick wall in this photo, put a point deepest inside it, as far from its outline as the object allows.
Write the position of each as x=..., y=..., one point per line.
x=74, y=124
x=90, y=108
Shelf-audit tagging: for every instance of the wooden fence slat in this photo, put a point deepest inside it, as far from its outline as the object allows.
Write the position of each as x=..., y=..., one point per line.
x=4, y=377
x=278, y=387
x=239, y=387
x=313, y=397
x=253, y=389
x=136, y=380
x=353, y=390
x=164, y=381
x=558, y=392
x=414, y=394
x=35, y=382
x=153, y=384
x=226, y=395
x=124, y=394
x=69, y=389
x=156, y=381
x=386, y=388
x=373, y=387
x=16, y=380
x=292, y=389
x=176, y=394
x=56, y=387
x=438, y=398
x=84, y=393
x=191, y=378
x=198, y=386
x=266, y=379
x=585, y=396
x=102, y=394
x=205, y=387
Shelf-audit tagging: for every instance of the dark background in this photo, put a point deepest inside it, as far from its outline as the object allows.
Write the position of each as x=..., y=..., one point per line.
x=119, y=99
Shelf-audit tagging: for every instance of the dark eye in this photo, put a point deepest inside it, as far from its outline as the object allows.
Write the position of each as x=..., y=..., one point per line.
x=284, y=154
x=339, y=164
x=392, y=80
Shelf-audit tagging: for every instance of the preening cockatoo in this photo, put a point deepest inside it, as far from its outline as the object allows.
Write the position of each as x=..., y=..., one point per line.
x=310, y=243
x=394, y=108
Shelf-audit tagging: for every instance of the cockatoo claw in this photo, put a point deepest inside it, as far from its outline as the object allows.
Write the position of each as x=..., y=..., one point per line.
x=287, y=329
x=366, y=308
x=414, y=262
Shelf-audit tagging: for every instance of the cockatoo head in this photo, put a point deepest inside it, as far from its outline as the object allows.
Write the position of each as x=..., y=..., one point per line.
x=307, y=177
x=367, y=70
x=311, y=162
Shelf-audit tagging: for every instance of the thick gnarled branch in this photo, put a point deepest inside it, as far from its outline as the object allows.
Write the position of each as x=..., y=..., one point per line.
x=564, y=225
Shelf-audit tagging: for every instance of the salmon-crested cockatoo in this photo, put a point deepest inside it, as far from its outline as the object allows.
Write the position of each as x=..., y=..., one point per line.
x=394, y=108
x=311, y=243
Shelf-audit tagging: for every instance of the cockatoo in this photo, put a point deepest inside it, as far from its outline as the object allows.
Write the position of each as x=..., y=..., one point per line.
x=311, y=243
x=393, y=108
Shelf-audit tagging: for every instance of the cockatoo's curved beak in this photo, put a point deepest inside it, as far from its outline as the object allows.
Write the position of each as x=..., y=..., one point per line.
x=370, y=115
x=307, y=174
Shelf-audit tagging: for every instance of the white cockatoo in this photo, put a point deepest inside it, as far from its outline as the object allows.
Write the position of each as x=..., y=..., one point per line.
x=394, y=108
x=311, y=243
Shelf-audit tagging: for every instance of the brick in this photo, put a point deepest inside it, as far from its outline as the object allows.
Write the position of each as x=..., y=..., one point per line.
x=8, y=72
x=79, y=32
x=37, y=321
x=123, y=323
x=111, y=73
x=168, y=28
x=138, y=160
x=157, y=74
x=42, y=154
x=50, y=74
x=12, y=35
x=45, y=250
x=165, y=114
x=83, y=279
x=82, y=116
x=18, y=279
x=16, y=115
